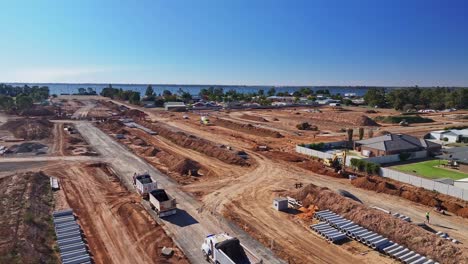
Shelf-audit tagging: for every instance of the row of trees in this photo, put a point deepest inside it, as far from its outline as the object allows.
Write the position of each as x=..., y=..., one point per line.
x=416, y=98
x=120, y=94
x=365, y=166
x=20, y=98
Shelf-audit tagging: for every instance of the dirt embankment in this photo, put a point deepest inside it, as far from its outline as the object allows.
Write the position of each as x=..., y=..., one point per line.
x=26, y=231
x=253, y=118
x=399, y=231
x=201, y=145
x=418, y=195
x=247, y=128
x=117, y=227
x=29, y=128
x=345, y=118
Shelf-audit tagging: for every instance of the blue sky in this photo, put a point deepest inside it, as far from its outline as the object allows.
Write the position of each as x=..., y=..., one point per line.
x=271, y=42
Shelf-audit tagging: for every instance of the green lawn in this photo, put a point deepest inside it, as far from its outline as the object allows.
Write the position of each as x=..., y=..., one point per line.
x=429, y=169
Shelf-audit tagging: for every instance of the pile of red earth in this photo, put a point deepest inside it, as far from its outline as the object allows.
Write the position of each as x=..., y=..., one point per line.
x=29, y=129
x=397, y=230
x=301, y=161
x=38, y=111
x=114, y=126
x=253, y=118
x=346, y=118
x=178, y=164
x=412, y=193
x=135, y=113
x=247, y=128
x=201, y=145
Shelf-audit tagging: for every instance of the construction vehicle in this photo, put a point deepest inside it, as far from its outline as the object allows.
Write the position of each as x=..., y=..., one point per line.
x=144, y=184
x=162, y=203
x=224, y=249
x=204, y=120
x=337, y=161
x=404, y=123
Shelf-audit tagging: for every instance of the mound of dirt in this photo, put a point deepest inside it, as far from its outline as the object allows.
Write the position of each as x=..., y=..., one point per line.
x=26, y=230
x=187, y=167
x=201, y=145
x=253, y=118
x=345, y=118
x=412, y=193
x=247, y=128
x=28, y=147
x=75, y=140
x=151, y=152
x=134, y=113
x=38, y=111
x=404, y=233
x=29, y=129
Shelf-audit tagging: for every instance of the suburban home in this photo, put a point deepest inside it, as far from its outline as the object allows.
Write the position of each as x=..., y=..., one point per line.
x=458, y=155
x=452, y=136
x=391, y=144
x=175, y=106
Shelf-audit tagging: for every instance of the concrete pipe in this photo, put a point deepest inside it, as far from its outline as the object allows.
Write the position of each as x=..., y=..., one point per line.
x=337, y=238
x=331, y=234
x=429, y=261
x=361, y=237
x=323, y=213
x=332, y=218
x=411, y=259
x=420, y=260
x=323, y=231
x=371, y=240
x=354, y=229
x=343, y=228
x=380, y=243
x=319, y=224
x=395, y=250
x=338, y=223
x=313, y=227
x=390, y=247
x=407, y=255
x=400, y=253
x=325, y=217
x=323, y=228
x=357, y=233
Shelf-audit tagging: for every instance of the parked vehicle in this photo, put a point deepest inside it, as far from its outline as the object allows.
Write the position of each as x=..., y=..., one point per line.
x=144, y=184
x=224, y=249
x=162, y=203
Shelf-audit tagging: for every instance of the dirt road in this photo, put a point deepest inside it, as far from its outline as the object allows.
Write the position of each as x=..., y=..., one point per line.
x=117, y=227
x=189, y=226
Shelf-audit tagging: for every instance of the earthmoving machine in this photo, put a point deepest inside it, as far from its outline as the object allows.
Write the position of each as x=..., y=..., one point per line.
x=162, y=203
x=204, y=120
x=337, y=161
x=404, y=123
x=224, y=249
x=144, y=184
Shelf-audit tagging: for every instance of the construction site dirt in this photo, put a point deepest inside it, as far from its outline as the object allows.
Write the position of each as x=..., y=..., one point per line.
x=116, y=226
x=245, y=195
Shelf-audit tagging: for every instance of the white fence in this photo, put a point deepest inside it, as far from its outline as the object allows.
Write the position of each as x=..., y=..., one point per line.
x=399, y=176
x=396, y=158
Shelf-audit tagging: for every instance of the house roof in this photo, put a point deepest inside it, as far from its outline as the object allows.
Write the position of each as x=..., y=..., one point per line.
x=396, y=142
x=174, y=104
x=459, y=154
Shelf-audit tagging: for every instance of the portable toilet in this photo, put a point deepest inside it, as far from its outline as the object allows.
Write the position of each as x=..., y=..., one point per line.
x=280, y=203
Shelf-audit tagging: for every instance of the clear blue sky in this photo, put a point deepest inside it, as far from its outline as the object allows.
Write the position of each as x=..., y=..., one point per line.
x=272, y=42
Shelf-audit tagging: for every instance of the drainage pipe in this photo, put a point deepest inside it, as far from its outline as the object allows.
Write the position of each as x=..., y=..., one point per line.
x=380, y=243
x=369, y=241
x=354, y=229
x=395, y=250
x=407, y=255
x=362, y=236
x=371, y=237
x=420, y=260
x=397, y=255
x=413, y=258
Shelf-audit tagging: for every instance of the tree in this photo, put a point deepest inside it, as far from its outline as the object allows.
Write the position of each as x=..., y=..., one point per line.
x=81, y=90
x=349, y=132
x=6, y=103
x=134, y=98
x=361, y=133
x=271, y=91
x=167, y=93
x=23, y=102
x=375, y=97
x=370, y=133
x=149, y=91
x=261, y=92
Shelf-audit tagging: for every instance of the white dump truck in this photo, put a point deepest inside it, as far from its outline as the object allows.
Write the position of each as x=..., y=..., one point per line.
x=224, y=249
x=144, y=184
x=162, y=203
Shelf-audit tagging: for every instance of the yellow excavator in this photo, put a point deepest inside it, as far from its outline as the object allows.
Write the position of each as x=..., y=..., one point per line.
x=337, y=161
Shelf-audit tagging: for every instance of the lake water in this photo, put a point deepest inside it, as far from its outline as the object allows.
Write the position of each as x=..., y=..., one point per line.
x=69, y=88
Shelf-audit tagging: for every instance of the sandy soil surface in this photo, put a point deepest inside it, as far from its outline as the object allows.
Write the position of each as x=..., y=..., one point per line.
x=116, y=226
x=248, y=194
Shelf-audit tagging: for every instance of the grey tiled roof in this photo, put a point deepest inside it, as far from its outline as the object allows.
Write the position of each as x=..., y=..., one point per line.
x=396, y=142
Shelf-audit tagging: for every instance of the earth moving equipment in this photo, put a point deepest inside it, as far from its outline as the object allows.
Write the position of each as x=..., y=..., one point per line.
x=204, y=120
x=144, y=184
x=337, y=161
x=224, y=249
x=162, y=203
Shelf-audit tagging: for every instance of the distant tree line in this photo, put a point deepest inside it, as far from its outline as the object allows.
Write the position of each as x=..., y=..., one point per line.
x=86, y=91
x=416, y=98
x=21, y=97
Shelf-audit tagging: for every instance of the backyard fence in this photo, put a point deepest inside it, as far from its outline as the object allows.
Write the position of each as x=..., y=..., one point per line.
x=399, y=176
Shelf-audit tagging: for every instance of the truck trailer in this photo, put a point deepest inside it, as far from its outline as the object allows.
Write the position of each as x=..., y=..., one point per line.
x=162, y=203
x=224, y=249
x=144, y=184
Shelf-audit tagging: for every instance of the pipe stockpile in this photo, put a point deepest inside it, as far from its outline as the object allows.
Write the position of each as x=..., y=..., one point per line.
x=331, y=222
x=69, y=239
x=328, y=232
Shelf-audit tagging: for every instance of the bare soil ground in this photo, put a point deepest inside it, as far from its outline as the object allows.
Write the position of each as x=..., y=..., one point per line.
x=29, y=128
x=26, y=229
x=117, y=227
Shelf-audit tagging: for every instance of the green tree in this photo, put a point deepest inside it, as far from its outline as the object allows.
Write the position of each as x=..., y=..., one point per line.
x=375, y=97
x=361, y=133
x=271, y=91
x=23, y=102
x=6, y=102
x=149, y=91
x=134, y=98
